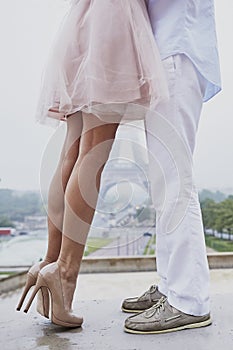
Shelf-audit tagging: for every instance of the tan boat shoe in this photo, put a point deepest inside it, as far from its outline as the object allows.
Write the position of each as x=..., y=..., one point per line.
x=163, y=318
x=145, y=301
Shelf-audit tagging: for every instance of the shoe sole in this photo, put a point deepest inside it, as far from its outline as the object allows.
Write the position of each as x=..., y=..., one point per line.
x=58, y=322
x=128, y=311
x=180, y=328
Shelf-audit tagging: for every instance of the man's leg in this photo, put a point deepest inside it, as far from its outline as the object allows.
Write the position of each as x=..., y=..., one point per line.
x=181, y=254
x=180, y=247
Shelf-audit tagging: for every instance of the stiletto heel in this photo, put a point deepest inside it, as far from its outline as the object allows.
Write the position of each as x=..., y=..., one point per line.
x=43, y=297
x=31, y=281
x=49, y=278
x=36, y=289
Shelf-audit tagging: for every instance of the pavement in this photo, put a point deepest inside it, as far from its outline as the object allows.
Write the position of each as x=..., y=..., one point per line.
x=98, y=299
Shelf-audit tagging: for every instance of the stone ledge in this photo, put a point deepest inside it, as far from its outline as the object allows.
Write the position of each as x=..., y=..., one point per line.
x=144, y=263
x=220, y=260
x=111, y=265
x=13, y=282
x=118, y=264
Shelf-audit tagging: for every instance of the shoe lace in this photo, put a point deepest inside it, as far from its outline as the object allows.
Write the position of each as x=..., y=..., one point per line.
x=157, y=308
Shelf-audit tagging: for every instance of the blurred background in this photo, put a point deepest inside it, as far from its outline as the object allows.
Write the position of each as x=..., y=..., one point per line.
x=124, y=221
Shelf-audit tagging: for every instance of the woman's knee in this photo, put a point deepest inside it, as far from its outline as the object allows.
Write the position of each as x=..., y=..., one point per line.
x=97, y=138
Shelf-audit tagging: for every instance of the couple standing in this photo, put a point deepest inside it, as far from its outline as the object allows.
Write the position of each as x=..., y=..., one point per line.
x=111, y=63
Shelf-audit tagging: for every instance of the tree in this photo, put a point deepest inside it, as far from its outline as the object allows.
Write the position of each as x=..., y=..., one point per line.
x=224, y=220
x=5, y=222
x=17, y=204
x=209, y=213
x=216, y=196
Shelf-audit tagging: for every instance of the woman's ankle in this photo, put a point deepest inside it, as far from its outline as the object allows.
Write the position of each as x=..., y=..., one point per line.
x=67, y=271
x=49, y=260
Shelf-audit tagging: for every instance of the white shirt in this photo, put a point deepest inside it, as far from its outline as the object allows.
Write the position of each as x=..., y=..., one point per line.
x=188, y=27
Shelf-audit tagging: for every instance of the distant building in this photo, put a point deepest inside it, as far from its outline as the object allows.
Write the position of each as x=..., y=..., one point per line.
x=6, y=231
x=35, y=222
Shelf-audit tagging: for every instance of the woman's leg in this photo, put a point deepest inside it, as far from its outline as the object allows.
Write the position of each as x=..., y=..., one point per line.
x=58, y=185
x=81, y=197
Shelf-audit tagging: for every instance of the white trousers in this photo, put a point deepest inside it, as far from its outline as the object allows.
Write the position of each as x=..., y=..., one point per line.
x=180, y=246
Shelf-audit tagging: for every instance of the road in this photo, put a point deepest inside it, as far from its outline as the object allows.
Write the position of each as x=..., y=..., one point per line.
x=124, y=245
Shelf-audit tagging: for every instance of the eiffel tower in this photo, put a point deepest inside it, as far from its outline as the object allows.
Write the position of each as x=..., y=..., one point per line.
x=124, y=182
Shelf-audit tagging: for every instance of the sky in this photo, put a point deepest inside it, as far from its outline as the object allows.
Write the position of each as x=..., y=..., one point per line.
x=27, y=28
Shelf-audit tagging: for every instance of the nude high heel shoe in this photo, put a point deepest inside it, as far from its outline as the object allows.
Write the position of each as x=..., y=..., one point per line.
x=49, y=277
x=43, y=297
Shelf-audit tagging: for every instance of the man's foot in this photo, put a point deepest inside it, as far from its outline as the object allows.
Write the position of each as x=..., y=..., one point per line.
x=162, y=318
x=145, y=301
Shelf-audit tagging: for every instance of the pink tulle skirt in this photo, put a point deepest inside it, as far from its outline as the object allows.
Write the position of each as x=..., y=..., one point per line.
x=104, y=61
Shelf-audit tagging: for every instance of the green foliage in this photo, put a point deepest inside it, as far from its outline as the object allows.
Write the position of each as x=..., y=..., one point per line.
x=150, y=247
x=15, y=205
x=5, y=222
x=95, y=243
x=219, y=244
x=218, y=216
x=215, y=196
x=224, y=219
x=209, y=212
